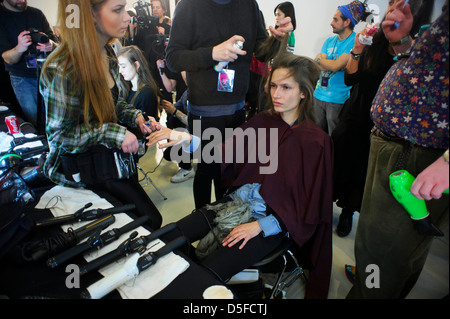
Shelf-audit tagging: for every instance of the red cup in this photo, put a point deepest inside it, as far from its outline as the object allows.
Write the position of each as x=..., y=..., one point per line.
x=13, y=124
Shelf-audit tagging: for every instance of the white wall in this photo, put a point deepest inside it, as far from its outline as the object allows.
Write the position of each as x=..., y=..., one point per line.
x=313, y=21
x=313, y=18
x=49, y=7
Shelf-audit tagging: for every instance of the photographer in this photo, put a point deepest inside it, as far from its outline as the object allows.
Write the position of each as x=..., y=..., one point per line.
x=159, y=10
x=21, y=30
x=148, y=40
x=145, y=20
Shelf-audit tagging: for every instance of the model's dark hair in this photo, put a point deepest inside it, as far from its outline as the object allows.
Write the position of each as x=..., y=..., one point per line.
x=306, y=73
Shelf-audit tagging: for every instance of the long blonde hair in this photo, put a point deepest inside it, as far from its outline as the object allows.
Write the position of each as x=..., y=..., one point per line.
x=80, y=51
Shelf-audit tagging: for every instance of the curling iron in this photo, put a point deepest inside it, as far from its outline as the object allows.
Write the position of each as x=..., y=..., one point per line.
x=131, y=269
x=54, y=245
x=400, y=183
x=81, y=215
x=127, y=247
x=95, y=241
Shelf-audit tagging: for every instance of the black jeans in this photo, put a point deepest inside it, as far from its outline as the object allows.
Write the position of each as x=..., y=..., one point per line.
x=225, y=262
x=210, y=172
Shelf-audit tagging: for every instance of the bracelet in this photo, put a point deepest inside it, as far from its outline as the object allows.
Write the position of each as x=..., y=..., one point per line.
x=354, y=55
x=445, y=155
x=400, y=56
x=405, y=39
x=175, y=113
x=318, y=60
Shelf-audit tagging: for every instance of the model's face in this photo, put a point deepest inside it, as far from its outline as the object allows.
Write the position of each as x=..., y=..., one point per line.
x=112, y=19
x=157, y=9
x=285, y=93
x=337, y=23
x=126, y=68
x=279, y=15
x=19, y=5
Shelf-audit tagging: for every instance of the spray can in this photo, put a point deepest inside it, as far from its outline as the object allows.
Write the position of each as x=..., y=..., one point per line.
x=221, y=65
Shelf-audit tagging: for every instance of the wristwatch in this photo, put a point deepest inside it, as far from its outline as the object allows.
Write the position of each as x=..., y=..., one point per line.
x=354, y=55
x=446, y=156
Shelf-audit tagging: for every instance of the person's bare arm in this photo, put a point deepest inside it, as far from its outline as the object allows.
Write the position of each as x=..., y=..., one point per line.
x=23, y=42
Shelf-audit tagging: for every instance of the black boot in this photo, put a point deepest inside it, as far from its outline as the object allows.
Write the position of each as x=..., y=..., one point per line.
x=345, y=223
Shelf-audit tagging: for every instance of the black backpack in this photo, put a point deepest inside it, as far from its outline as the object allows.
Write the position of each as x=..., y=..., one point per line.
x=15, y=222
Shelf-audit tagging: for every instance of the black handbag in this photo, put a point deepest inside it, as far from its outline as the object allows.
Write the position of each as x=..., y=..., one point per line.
x=99, y=164
x=15, y=222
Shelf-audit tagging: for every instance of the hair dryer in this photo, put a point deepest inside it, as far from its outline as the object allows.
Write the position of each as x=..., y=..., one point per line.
x=400, y=183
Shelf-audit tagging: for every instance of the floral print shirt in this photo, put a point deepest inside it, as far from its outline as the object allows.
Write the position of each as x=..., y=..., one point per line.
x=412, y=101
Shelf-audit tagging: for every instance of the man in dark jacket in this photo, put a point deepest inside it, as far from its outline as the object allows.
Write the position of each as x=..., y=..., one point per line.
x=203, y=34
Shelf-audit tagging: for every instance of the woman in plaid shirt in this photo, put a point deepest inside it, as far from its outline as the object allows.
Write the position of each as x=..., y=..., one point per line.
x=85, y=97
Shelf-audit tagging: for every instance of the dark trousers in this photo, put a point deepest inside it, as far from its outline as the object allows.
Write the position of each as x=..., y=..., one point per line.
x=350, y=164
x=210, y=172
x=129, y=191
x=385, y=236
x=181, y=164
x=225, y=262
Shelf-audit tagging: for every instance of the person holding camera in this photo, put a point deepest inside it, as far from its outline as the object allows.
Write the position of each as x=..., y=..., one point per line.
x=159, y=10
x=24, y=33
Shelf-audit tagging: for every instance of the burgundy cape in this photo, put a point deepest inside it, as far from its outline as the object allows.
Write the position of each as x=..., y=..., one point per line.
x=299, y=191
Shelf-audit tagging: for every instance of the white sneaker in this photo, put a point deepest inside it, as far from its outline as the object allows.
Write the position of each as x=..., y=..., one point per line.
x=182, y=175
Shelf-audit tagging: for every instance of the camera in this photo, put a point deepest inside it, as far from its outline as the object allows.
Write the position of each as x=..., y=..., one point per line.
x=34, y=58
x=38, y=37
x=144, y=16
x=159, y=46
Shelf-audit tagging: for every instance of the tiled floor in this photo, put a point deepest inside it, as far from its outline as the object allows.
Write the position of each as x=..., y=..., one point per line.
x=433, y=282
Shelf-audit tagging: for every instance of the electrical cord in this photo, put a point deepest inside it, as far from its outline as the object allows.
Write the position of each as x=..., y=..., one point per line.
x=150, y=171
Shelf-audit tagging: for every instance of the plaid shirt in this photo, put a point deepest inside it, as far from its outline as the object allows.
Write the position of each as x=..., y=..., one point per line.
x=66, y=131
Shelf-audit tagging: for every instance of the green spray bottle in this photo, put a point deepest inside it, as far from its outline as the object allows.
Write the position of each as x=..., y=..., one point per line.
x=400, y=183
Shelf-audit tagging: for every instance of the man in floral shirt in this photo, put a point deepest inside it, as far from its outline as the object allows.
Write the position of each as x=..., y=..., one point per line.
x=411, y=132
